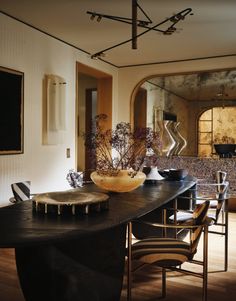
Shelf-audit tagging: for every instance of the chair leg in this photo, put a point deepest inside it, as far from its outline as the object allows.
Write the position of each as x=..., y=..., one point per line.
x=226, y=235
x=129, y=280
x=163, y=293
x=205, y=264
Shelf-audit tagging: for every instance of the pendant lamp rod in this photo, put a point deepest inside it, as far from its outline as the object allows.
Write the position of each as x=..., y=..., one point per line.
x=135, y=23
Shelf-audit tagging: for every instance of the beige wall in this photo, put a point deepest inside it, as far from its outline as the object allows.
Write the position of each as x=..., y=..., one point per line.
x=36, y=54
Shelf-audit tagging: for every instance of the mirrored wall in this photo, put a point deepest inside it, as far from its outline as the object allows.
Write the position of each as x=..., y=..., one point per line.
x=183, y=99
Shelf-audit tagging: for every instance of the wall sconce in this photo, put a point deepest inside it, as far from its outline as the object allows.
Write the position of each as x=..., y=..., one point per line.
x=54, y=109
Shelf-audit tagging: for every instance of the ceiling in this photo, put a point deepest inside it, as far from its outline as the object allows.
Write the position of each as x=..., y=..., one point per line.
x=210, y=32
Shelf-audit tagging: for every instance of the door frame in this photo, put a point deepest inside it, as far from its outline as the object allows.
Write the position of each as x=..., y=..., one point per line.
x=104, y=97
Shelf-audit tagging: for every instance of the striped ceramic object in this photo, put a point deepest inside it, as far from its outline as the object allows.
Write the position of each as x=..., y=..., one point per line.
x=21, y=191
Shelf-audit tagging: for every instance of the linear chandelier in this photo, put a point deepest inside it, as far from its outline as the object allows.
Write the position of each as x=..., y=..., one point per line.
x=146, y=23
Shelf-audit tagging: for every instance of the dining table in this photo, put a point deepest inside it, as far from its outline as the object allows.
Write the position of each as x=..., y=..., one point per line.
x=70, y=257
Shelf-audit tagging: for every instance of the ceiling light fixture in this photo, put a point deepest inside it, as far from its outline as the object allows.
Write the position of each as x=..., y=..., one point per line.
x=92, y=17
x=135, y=22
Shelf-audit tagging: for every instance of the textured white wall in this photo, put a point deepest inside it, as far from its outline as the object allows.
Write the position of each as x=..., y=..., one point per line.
x=36, y=54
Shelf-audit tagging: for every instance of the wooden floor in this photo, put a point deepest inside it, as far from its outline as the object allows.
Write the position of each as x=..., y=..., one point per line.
x=147, y=282
x=221, y=285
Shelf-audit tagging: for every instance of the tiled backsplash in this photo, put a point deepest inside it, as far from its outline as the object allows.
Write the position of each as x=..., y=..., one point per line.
x=202, y=168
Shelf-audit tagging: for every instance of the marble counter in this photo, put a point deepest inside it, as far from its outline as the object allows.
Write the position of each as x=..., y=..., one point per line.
x=202, y=168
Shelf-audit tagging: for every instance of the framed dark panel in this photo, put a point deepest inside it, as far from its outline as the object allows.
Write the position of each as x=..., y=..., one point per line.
x=11, y=112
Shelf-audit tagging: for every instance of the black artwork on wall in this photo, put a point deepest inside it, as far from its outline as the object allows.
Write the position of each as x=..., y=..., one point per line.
x=11, y=112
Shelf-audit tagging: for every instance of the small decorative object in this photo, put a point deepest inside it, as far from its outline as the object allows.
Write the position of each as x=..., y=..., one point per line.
x=177, y=174
x=182, y=143
x=152, y=174
x=224, y=146
x=174, y=174
x=174, y=134
x=168, y=142
x=225, y=150
x=70, y=202
x=54, y=109
x=120, y=154
x=75, y=178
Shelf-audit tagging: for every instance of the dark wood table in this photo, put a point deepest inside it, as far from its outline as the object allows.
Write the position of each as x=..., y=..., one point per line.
x=65, y=258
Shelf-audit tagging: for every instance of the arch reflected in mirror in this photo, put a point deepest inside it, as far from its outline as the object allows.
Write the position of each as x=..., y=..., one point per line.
x=216, y=126
x=183, y=98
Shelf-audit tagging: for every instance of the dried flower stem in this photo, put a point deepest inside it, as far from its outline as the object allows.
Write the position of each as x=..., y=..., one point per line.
x=130, y=147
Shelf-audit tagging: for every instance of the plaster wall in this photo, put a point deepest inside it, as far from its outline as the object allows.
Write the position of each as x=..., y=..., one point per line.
x=36, y=54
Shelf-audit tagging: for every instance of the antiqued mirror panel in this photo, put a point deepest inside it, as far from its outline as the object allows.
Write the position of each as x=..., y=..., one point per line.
x=203, y=104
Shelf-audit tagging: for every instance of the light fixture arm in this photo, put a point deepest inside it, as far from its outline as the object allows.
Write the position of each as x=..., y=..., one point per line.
x=138, y=6
x=135, y=22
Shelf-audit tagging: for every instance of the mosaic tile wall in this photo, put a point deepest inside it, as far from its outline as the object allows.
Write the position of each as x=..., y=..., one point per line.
x=202, y=168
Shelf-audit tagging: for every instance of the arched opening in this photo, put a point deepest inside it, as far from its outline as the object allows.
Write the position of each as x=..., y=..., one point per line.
x=181, y=98
x=216, y=126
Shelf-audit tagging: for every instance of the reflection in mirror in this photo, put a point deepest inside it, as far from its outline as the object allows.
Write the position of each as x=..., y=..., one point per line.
x=202, y=107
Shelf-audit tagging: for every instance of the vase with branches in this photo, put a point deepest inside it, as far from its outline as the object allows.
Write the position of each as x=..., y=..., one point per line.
x=120, y=148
